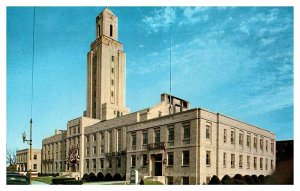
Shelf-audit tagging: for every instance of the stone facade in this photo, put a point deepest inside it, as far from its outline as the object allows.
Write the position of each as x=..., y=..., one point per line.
x=168, y=142
x=23, y=160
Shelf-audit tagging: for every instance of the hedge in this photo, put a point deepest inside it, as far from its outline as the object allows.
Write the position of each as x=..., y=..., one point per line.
x=255, y=179
x=215, y=180
x=73, y=182
x=248, y=179
x=100, y=176
x=261, y=178
x=227, y=180
x=239, y=177
x=108, y=177
x=85, y=177
x=60, y=180
x=117, y=177
x=92, y=177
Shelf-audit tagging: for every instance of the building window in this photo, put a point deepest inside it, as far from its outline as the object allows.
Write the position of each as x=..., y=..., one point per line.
x=171, y=136
x=207, y=131
x=157, y=135
x=112, y=58
x=109, y=148
x=261, y=144
x=272, y=164
x=78, y=129
x=170, y=159
x=272, y=147
x=94, y=163
x=207, y=158
x=232, y=136
x=94, y=137
x=232, y=160
x=87, y=151
x=255, y=143
x=119, y=162
x=145, y=138
x=248, y=140
x=101, y=163
x=248, y=162
x=241, y=161
x=102, y=149
x=98, y=30
x=87, y=163
x=261, y=163
x=241, y=139
x=112, y=82
x=74, y=130
x=145, y=160
x=87, y=139
x=170, y=180
x=102, y=135
x=119, y=140
x=133, y=140
x=34, y=166
x=267, y=145
x=34, y=157
x=112, y=70
x=133, y=160
x=224, y=159
x=112, y=94
x=111, y=31
x=109, y=163
x=185, y=180
x=185, y=158
x=266, y=163
x=225, y=135
x=255, y=163
x=186, y=133
x=94, y=150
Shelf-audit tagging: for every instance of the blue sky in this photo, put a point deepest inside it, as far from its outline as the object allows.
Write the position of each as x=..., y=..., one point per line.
x=237, y=61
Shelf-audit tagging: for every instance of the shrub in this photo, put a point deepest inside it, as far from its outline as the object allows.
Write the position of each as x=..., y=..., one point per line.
x=261, y=178
x=108, y=177
x=85, y=177
x=142, y=182
x=124, y=177
x=73, y=182
x=60, y=180
x=227, y=180
x=214, y=180
x=238, y=181
x=100, y=176
x=239, y=177
x=92, y=177
x=255, y=179
x=248, y=179
x=117, y=177
x=268, y=180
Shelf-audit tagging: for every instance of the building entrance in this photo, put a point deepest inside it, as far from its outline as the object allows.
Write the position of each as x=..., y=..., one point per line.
x=157, y=165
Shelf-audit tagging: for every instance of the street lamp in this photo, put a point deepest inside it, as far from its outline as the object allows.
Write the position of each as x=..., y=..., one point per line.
x=29, y=141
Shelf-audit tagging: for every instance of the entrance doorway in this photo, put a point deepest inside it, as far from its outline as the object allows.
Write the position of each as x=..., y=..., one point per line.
x=157, y=164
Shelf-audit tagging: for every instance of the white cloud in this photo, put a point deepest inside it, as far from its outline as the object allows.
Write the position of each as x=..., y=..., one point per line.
x=160, y=19
x=194, y=15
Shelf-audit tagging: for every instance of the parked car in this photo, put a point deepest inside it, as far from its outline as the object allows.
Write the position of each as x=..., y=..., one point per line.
x=15, y=178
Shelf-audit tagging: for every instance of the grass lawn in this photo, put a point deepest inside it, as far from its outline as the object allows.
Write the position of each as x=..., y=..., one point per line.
x=150, y=182
x=45, y=179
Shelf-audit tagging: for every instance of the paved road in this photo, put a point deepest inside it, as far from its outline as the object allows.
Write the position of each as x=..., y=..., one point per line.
x=38, y=183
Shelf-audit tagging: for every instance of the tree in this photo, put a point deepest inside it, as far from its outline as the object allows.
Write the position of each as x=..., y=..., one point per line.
x=227, y=180
x=11, y=160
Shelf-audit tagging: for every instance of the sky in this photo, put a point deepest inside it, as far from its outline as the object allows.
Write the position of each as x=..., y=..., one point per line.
x=237, y=61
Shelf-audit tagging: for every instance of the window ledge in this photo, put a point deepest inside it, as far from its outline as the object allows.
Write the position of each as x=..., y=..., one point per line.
x=185, y=165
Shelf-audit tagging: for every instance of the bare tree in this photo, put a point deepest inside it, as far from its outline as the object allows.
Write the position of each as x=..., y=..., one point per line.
x=11, y=159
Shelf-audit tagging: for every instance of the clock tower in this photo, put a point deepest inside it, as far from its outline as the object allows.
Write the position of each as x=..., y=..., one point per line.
x=106, y=65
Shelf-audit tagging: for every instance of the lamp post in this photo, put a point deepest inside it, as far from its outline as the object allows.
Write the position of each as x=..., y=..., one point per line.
x=30, y=147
